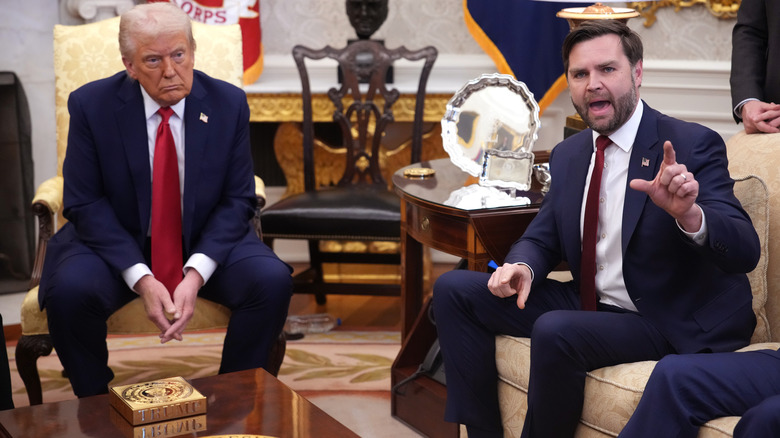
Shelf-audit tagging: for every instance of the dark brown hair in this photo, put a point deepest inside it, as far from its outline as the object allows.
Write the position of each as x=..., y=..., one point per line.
x=590, y=29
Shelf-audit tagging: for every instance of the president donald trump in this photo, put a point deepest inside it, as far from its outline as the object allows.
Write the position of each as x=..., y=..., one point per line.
x=159, y=195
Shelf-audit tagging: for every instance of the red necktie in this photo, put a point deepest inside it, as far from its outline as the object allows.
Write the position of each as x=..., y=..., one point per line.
x=166, y=207
x=590, y=229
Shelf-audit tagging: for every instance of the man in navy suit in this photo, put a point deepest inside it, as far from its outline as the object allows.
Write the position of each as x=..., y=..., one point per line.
x=101, y=258
x=686, y=391
x=755, y=66
x=672, y=251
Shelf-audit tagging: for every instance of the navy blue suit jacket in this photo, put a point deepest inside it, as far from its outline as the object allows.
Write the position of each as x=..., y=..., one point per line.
x=107, y=195
x=697, y=296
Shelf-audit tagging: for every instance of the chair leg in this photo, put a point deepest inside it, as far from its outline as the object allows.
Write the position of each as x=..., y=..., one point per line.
x=276, y=357
x=28, y=350
x=315, y=261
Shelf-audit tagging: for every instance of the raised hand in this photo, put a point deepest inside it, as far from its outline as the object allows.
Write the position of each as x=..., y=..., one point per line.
x=675, y=190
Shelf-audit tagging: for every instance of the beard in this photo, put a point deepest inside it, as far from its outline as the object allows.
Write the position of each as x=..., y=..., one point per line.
x=624, y=107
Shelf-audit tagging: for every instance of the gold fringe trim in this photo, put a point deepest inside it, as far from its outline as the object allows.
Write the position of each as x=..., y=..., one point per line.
x=491, y=50
x=553, y=92
x=254, y=71
x=485, y=42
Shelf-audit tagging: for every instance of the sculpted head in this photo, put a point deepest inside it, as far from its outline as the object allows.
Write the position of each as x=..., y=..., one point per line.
x=366, y=16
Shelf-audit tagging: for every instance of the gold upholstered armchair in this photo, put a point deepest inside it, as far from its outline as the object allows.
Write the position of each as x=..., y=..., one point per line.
x=82, y=54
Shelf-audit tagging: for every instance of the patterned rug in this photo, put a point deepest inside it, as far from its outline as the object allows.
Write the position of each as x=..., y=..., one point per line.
x=345, y=373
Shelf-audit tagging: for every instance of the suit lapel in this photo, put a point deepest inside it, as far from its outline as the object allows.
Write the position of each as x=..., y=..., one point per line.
x=196, y=130
x=646, y=158
x=132, y=134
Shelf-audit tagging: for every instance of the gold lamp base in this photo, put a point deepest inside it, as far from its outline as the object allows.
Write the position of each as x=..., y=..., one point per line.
x=597, y=11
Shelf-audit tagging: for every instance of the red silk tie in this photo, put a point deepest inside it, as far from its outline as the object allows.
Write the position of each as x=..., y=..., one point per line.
x=590, y=229
x=166, y=208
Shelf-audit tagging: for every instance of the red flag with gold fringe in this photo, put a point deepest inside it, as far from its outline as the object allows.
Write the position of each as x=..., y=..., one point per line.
x=244, y=12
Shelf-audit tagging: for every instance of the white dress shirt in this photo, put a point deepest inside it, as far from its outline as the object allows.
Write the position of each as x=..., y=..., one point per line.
x=202, y=263
x=610, y=285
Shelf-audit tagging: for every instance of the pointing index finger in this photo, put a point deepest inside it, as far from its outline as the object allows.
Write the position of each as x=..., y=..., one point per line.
x=670, y=157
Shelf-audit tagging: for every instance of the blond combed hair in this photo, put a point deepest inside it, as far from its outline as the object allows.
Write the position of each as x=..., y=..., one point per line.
x=150, y=21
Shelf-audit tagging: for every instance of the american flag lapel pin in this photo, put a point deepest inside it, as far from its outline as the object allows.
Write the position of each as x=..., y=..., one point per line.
x=204, y=118
x=645, y=161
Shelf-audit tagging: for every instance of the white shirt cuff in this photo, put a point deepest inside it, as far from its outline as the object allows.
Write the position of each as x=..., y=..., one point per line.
x=738, y=108
x=699, y=237
x=134, y=273
x=529, y=268
x=202, y=263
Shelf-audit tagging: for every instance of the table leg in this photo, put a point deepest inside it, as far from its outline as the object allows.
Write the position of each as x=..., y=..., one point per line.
x=411, y=277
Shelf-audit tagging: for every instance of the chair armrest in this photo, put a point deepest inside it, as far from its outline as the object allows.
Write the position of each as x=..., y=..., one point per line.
x=45, y=205
x=260, y=191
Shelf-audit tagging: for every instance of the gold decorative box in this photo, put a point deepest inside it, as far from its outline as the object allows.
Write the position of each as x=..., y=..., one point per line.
x=156, y=401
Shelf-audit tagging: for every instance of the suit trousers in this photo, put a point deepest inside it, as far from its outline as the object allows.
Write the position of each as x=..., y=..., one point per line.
x=84, y=292
x=565, y=344
x=686, y=391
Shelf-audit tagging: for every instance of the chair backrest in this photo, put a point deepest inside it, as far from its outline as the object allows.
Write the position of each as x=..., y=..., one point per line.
x=363, y=105
x=757, y=154
x=88, y=52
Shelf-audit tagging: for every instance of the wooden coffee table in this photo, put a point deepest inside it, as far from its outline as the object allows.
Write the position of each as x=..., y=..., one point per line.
x=249, y=402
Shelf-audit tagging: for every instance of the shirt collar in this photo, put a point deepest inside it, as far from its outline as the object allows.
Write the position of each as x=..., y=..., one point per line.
x=151, y=107
x=625, y=135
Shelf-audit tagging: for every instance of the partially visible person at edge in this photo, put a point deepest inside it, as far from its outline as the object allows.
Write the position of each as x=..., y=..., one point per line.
x=685, y=391
x=672, y=247
x=103, y=257
x=755, y=66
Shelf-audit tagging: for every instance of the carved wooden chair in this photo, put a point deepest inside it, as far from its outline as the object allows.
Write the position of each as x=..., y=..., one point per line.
x=82, y=54
x=357, y=206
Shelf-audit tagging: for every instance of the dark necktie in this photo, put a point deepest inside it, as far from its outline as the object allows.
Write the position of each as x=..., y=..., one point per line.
x=166, y=207
x=590, y=229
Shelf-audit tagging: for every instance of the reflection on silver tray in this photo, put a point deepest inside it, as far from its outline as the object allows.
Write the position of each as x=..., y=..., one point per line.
x=492, y=116
x=507, y=169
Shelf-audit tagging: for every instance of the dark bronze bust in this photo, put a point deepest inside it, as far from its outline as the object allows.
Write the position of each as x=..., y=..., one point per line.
x=366, y=16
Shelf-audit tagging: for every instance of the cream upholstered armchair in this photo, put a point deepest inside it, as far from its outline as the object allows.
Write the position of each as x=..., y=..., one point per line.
x=83, y=54
x=612, y=393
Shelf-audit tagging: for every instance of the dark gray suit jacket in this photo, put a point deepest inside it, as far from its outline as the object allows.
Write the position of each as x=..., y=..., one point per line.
x=755, y=56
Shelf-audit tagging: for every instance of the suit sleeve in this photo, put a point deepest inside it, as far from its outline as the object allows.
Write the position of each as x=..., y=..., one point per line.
x=540, y=245
x=733, y=243
x=86, y=203
x=749, y=52
x=230, y=213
